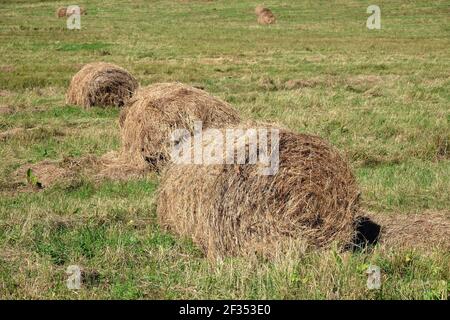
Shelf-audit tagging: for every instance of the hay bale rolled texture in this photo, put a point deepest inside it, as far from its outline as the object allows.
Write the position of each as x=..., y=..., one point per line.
x=101, y=84
x=264, y=15
x=234, y=210
x=155, y=111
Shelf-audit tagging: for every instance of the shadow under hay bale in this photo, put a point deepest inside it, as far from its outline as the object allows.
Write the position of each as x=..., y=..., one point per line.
x=231, y=209
x=367, y=234
x=101, y=84
x=155, y=111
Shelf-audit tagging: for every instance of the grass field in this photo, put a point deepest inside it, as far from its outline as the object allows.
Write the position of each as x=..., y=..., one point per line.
x=381, y=96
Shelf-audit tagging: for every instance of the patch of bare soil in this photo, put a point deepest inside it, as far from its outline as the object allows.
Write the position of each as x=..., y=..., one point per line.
x=66, y=171
x=7, y=68
x=5, y=93
x=41, y=175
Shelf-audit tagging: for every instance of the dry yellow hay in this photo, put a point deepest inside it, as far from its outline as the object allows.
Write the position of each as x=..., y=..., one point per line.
x=47, y=173
x=44, y=174
x=101, y=84
x=233, y=209
x=423, y=231
x=155, y=111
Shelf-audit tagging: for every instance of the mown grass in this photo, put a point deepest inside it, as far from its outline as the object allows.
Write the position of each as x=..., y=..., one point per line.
x=381, y=96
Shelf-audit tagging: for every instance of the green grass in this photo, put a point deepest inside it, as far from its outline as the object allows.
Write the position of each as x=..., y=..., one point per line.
x=381, y=96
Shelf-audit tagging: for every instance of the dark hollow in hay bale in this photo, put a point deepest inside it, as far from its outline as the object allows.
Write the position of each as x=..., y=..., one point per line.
x=155, y=111
x=367, y=234
x=265, y=16
x=101, y=84
x=61, y=12
x=231, y=209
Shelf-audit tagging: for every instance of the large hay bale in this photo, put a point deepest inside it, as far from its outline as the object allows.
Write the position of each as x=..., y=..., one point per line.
x=264, y=15
x=101, y=84
x=155, y=111
x=231, y=209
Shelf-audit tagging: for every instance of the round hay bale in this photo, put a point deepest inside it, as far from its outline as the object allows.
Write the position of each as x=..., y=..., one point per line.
x=155, y=111
x=231, y=209
x=71, y=10
x=61, y=12
x=266, y=17
x=101, y=84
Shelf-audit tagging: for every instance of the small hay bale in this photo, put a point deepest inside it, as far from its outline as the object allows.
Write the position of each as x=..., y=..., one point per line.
x=61, y=12
x=155, y=111
x=265, y=16
x=101, y=84
x=230, y=209
x=71, y=11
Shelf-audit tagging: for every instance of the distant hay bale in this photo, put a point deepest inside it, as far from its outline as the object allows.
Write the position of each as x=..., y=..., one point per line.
x=264, y=15
x=101, y=84
x=71, y=10
x=259, y=9
x=231, y=209
x=155, y=111
x=61, y=12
